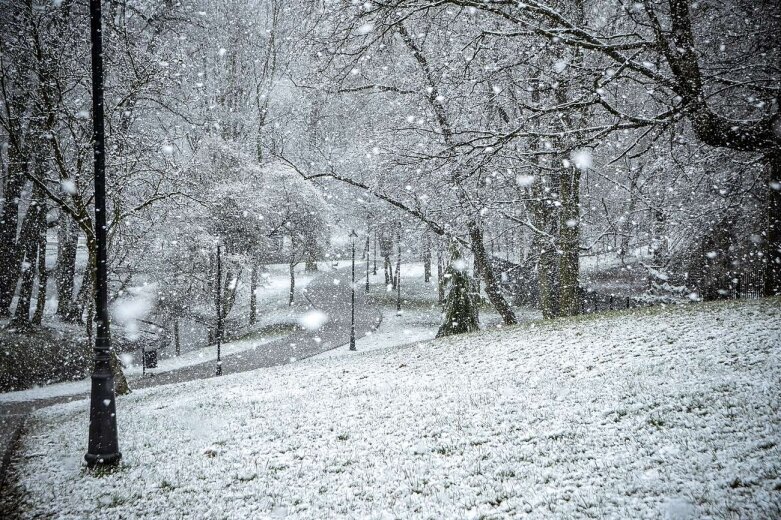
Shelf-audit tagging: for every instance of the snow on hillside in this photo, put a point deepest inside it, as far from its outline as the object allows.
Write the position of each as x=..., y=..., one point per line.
x=672, y=414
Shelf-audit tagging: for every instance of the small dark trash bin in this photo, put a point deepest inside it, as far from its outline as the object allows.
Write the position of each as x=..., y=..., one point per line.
x=150, y=359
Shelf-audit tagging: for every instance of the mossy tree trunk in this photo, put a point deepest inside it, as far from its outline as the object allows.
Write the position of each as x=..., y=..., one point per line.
x=460, y=306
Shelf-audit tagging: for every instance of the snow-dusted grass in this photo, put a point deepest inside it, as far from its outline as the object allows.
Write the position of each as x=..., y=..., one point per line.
x=664, y=412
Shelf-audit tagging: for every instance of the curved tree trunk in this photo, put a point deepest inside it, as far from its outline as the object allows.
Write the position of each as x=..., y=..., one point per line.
x=492, y=287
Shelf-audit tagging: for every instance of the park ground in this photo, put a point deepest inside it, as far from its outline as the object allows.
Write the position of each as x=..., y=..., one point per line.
x=664, y=412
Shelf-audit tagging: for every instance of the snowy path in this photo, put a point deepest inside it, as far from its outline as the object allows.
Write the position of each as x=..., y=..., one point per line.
x=329, y=293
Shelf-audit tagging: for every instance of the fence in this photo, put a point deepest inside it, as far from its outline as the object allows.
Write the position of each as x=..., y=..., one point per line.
x=747, y=285
x=591, y=302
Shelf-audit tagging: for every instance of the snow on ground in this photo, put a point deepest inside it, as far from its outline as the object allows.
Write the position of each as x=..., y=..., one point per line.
x=194, y=357
x=420, y=316
x=204, y=354
x=394, y=330
x=665, y=412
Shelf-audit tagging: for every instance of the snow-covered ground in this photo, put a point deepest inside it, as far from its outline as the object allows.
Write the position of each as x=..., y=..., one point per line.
x=194, y=357
x=670, y=413
x=394, y=330
x=204, y=354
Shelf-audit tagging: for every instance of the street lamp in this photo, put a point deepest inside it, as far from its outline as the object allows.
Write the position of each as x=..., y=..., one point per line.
x=103, y=445
x=353, y=236
x=218, y=302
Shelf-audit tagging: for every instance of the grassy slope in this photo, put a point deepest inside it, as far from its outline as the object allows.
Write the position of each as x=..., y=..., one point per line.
x=663, y=412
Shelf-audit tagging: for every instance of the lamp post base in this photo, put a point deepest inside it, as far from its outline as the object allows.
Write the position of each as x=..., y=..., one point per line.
x=103, y=447
x=110, y=459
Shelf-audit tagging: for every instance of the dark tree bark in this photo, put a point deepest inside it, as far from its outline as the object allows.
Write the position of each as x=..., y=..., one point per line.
x=374, y=267
x=492, y=287
x=460, y=306
x=253, y=299
x=68, y=238
x=291, y=294
x=43, y=274
x=33, y=225
x=398, y=271
x=310, y=253
x=9, y=221
x=426, y=256
x=762, y=136
x=773, y=243
x=569, y=242
x=440, y=277
x=177, y=342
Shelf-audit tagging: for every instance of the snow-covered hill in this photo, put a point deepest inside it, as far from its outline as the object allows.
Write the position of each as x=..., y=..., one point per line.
x=660, y=413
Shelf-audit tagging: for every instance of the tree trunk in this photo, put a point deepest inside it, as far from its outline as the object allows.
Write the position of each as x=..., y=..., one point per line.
x=659, y=245
x=460, y=307
x=311, y=255
x=389, y=279
x=33, y=225
x=627, y=227
x=368, y=253
x=230, y=287
x=177, y=342
x=398, y=273
x=492, y=287
x=43, y=274
x=773, y=243
x=253, y=299
x=9, y=221
x=68, y=239
x=374, y=268
x=85, y=294
x=545, y=282
x=569, y=243
x=121, y=386
x=440, y=277
x=21, y=317
x=427, y=256
x=291, y=294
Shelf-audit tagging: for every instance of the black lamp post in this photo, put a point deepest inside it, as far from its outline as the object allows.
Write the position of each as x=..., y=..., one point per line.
x=218, y=302
x=353, y=236
x=103, y=446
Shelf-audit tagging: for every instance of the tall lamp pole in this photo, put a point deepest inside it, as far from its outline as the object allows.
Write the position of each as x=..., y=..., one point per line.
x=103, y=445
x=353, y=236
x=218, y=302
